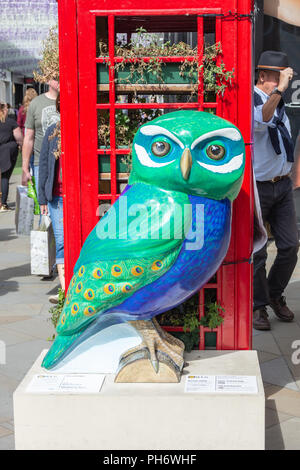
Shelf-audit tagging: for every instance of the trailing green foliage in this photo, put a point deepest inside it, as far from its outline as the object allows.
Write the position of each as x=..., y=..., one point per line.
x=215, y=76
x=211, y=70
x=126, y=126
x=55, y=311
x=213, y=315
x=186, y=315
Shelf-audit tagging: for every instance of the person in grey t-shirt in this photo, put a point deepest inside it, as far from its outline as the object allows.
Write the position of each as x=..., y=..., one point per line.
x=40, y=115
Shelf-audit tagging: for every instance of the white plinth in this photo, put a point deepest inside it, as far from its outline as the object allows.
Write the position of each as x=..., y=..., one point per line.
x=146, y=416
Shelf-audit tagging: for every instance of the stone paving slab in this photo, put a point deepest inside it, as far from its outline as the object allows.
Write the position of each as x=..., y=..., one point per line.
x=6, y=319
x=294, y=368
x=40, y=328
x=284, y=436
x=4, y=431
x=20, y=357
x=283, y=400
x=273, y=417
x=7, y=442
x=277, y=372
x=7, y=387
x=11, y=337
x=266, y=343
x=265, y=356
x=20, y=309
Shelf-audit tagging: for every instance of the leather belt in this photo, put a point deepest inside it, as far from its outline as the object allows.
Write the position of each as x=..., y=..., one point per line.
x=277, y=178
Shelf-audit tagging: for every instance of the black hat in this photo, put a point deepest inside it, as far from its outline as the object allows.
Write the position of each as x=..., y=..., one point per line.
x=273, y=60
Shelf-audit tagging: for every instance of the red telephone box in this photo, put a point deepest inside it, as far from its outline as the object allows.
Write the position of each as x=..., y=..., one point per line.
x=85, y=96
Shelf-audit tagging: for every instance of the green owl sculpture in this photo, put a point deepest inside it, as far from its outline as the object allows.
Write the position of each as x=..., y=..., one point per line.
x=160, y=242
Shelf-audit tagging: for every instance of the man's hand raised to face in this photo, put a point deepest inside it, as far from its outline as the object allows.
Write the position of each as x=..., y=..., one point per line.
x=285, y=77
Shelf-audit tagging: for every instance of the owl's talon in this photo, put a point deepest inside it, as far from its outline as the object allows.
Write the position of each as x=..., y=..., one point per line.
x=155, y=365
x=157, y=349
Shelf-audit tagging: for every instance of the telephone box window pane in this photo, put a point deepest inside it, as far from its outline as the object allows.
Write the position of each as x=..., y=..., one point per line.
x=122, y=182
x=210, y=110
x=101, y=36
x=104, y=182
x=213, y=279
x=210, y=297
x=102, y=83
x=103, y=207
x=210, y=96
x=123, y=164
x=103, y=129
x=209, y=28
x=123, y=168
x=156, y=24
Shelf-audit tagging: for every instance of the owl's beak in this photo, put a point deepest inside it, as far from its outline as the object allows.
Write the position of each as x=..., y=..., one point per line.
x=186, y=164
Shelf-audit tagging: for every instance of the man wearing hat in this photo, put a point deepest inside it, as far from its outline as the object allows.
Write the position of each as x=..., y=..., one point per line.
x=273, y=157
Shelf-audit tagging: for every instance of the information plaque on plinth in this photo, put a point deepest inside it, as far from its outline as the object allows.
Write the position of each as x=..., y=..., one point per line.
x=218, y=404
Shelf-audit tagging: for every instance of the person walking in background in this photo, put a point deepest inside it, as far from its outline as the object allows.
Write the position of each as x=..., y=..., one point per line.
x=30, y=94
x=273, y=157
x=10, y=138
x=50, y=194
x=40, y=115
x=11, y=112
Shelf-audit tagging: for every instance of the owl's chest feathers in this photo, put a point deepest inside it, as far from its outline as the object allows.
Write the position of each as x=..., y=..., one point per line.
x=172, y=214
x=209, y=232
x=171, y=219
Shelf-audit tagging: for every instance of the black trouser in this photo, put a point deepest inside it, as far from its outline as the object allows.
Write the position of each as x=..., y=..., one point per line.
x=277, y=206
x=5, y=177
x=8, y=158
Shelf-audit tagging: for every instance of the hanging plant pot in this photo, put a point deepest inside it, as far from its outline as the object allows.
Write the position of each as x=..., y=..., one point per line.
x=170, y=74
x=104, y=164
x=210, y=339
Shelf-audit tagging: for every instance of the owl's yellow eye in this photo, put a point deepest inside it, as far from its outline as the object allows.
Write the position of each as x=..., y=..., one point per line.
x=160, y=149
x=216, y=152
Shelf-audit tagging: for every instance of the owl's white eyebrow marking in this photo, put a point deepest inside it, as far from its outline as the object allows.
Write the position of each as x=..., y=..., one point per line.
x=154, y=130
x=146, y=160
x=234, y=164
x=228, y=132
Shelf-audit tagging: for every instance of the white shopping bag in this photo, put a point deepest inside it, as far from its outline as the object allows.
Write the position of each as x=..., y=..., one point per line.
x=42, y=248
x=24, y=211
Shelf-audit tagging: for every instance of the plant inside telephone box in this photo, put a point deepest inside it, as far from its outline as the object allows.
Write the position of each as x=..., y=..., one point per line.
x=133, y=68
x=186, y=316
x=126, y=124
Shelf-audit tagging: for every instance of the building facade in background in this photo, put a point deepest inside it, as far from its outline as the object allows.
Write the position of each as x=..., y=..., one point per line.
x=24, y=24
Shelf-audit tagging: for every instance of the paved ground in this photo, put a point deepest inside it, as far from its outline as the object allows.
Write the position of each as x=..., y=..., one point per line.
x=25, y=329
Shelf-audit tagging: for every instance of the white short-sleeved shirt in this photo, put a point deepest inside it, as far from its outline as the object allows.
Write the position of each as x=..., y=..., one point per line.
x=266, y=163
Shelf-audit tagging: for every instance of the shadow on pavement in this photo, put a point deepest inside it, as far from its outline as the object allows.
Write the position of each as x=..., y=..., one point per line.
x=6, y=285
x=274, y=439
x=7, y=234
